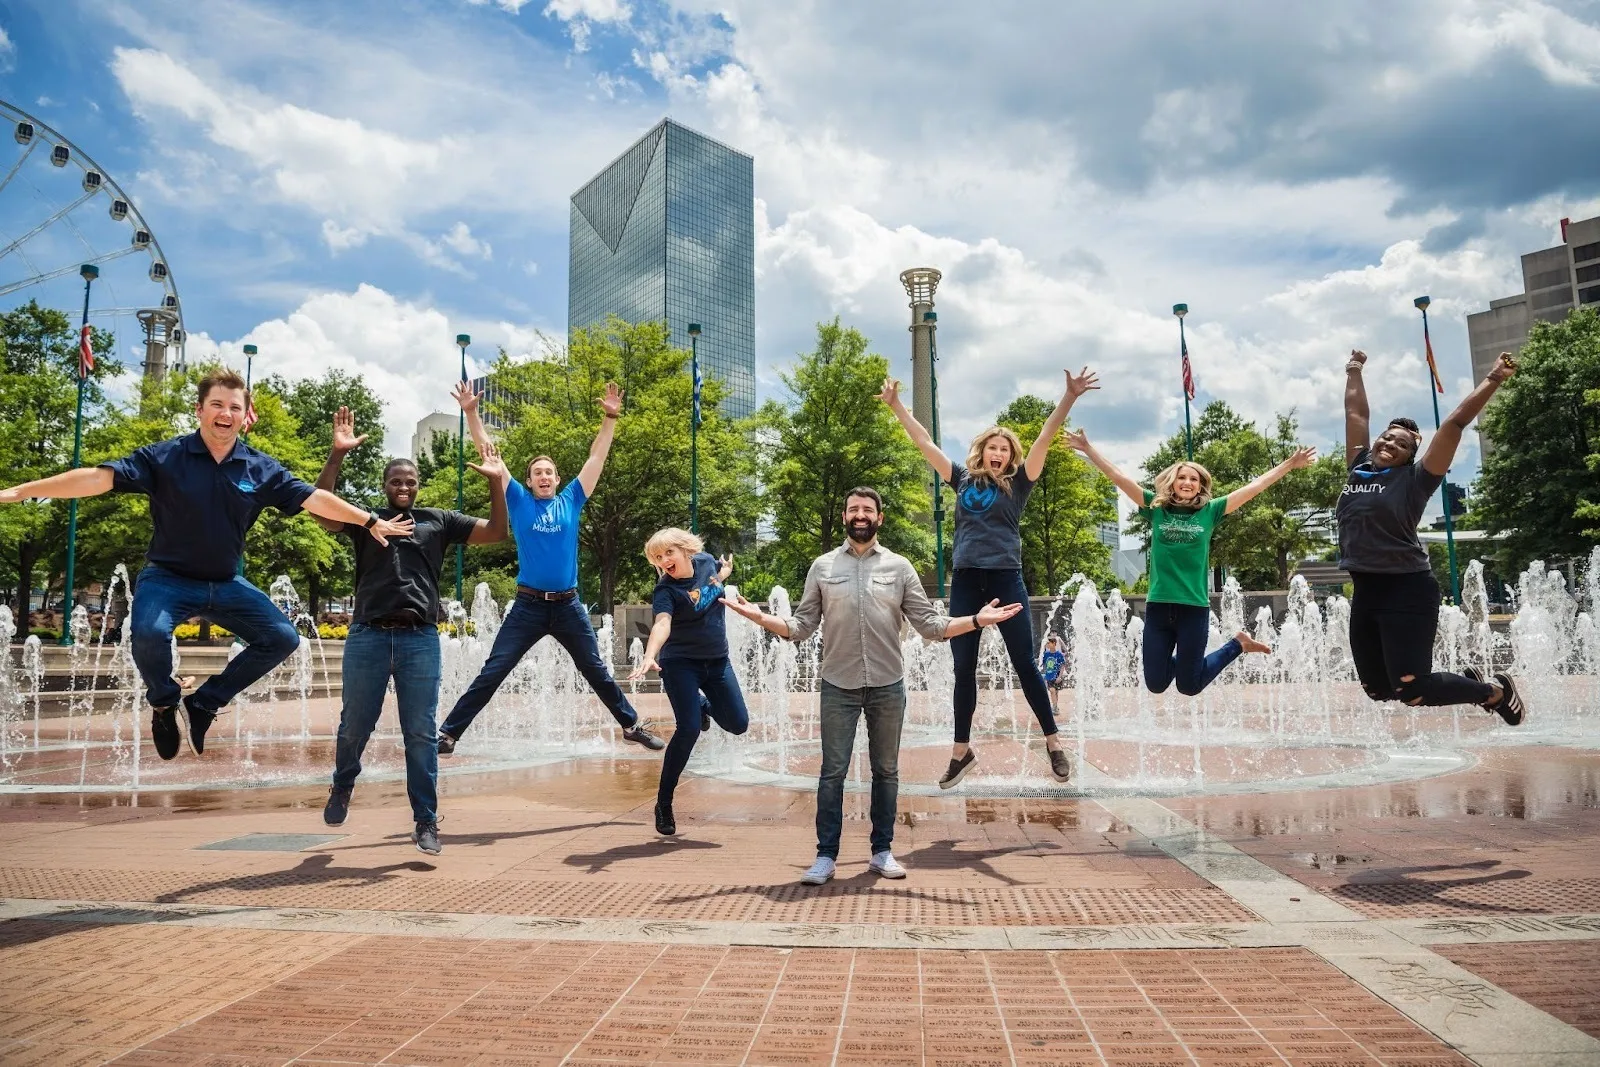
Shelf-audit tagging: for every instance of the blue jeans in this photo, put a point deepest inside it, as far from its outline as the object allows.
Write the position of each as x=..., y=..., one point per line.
x=373, y=655
x=1175, y=648
x=527, y=622
x=885, y=709
x=162, y=599
x=683, y=680
x=971, y=589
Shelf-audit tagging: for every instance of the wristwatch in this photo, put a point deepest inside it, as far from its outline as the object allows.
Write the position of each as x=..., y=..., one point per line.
x=372, y=520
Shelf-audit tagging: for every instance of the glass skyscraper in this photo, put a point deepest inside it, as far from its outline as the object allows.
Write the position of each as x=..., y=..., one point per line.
x=667, y=232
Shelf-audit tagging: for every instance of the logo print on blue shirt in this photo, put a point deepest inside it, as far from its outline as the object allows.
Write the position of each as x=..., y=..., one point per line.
x=246, y=485
x=977, y=499
x=701, y=599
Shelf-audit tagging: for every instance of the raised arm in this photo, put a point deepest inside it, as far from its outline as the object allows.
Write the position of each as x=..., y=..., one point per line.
x=497, y=526
x=611, y=408
x=725, y=571
x=1303, y=457
x=345, y=441
x=325, y=505
x=1130, y=488
x=915, y=430
x=468, y=402
x=85, y=481
x=1357, y=415
x=1040, y=450
x=1442, y=449
x=660, y=630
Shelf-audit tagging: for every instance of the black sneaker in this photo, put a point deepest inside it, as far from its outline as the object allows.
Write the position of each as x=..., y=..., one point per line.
x=705, y=714
x=196, y=721
x=666, y=826
x=164, y=732
x=1509, y=706
x=426, y=835
x=958, y=769
x=447, y=744
x=338, y=805
x=1060, y=765
x=640, y=734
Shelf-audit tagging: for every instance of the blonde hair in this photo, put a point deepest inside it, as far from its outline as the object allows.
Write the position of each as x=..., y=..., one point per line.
x=980, y=471
x=671, y=537
x=1165, y=480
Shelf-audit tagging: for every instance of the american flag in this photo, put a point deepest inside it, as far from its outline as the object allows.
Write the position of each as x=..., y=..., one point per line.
x=1188, y=372
x=85, y=353
x=1433, y=368
x=697, y=383
x=249, y=413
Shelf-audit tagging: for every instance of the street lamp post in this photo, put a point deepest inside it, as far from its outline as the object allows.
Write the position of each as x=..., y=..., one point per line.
x=931, y=318
x=1180, y=310
x=462, y=341
x=694, y=429
x=1434, y=388
x=89, y=272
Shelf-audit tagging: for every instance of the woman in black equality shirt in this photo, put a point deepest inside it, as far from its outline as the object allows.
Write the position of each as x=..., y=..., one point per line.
x=691, y=640
x=1394, y=610
x=991, y=490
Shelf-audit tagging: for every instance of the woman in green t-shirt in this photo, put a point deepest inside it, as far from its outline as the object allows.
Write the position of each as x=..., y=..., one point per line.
x=1182, y=517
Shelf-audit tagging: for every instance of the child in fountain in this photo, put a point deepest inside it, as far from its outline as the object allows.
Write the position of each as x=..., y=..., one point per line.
x=991, y=490
x=1053, y=666
x=689, y=646
x=1394, y=606
x=1183, y=515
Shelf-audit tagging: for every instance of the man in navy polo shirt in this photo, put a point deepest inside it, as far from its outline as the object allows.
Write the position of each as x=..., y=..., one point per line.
x=206, y=490
x=545, y=525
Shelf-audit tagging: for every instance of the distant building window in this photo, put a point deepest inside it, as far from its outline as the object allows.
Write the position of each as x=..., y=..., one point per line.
x=1589, y=274
x=1590, y=295
x=1553, y=298
x=1586, y=252
x=1546, y=278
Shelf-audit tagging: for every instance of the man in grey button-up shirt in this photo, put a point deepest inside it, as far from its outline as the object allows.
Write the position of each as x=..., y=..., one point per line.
x=859, y=594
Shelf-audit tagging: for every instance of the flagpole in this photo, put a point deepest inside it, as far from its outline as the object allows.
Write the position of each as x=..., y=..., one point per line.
x=694, y=428
x=249, y=410
x=1435, y=386
x=1181, y=310
x=89, y=272
x=462, y=341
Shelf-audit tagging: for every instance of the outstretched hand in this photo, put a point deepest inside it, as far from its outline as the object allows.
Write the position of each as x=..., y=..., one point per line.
x=465, y=396
x=725, y=565
x=10, y=496
x=645, y=667
x=1504, y=367
x=489, y=464
x=1078, y=440
x=611, y=402
x=739, y=604
x=992, y=613
x=890, y=393
x=1082, y=382
x=1356, y=361
x=384, y=529
x=1302, y=457
x=344, y=431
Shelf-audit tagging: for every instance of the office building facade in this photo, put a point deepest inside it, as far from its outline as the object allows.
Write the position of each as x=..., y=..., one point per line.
x=491, y=396
x=1554, y=281
x=666, y=232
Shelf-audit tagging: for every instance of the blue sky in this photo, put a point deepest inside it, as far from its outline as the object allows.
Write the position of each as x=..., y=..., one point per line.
x=352, y=184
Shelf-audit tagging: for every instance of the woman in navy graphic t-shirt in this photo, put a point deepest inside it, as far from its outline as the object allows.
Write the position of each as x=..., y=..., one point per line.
x=1394, y=606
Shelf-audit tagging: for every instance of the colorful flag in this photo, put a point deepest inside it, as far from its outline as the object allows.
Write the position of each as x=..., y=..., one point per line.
x=1433, y=368
x=85, y=353
x=697, y=382
x=249, y=413
x=1188, y=372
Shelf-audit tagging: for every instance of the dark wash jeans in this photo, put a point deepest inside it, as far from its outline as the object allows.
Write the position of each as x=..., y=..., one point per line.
x=527, y=622
x=1393, y=618
x=884, y=707
x=1175, y=648
x=373, y=655
x=684, y=680
x=970, y=589
x=162, y=599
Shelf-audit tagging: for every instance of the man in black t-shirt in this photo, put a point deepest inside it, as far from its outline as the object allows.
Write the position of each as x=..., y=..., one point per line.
x=394, y=629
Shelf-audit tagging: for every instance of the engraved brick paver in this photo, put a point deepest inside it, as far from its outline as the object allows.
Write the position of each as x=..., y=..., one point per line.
x=1560, y=977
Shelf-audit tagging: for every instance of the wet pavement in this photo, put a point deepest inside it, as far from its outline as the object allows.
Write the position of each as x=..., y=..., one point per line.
x=1449, y=916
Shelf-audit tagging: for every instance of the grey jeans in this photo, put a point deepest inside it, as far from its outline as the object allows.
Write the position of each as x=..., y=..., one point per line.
x=885, y=709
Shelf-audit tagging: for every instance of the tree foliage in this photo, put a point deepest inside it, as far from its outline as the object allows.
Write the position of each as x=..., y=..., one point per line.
x=1539, y=487
x=1068, y=503
x=1287, y=523
x=833, y=436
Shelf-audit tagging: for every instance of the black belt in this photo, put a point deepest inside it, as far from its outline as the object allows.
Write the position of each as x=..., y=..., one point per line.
x=545, y=594
x=392, y=622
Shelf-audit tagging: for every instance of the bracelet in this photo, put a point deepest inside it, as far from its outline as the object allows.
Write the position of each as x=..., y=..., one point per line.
x=976, y=625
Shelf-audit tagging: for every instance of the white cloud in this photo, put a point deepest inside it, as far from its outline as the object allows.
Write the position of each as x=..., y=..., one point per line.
x=461, y=240
x=8, y=51
x=513, y=6
x=593, y=10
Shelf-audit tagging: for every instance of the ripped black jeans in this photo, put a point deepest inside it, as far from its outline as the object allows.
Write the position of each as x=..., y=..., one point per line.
x=1393, y=618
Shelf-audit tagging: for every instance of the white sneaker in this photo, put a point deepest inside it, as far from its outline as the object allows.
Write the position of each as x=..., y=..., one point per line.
x=820, y=872
x=885, y=864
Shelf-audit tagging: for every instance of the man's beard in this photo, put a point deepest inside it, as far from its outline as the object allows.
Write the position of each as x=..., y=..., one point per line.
x=861, y=532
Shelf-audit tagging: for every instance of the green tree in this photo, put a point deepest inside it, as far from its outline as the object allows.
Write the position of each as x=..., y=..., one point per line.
x=1283, y=525
x=834, y=436
x=645, y=485
x=1068, y=503
x=1536, y=481
x=38, y=403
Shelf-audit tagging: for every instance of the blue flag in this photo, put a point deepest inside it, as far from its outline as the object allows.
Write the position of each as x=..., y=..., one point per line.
x=696, y=414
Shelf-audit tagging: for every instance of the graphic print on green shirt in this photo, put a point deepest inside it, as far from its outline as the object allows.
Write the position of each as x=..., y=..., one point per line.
x=1180, y=550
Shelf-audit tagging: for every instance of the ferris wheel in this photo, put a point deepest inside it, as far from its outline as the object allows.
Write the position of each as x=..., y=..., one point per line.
x=60, y=211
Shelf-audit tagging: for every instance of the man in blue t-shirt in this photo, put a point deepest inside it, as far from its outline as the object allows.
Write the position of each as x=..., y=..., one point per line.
x=544, y=522
x=206, y=490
